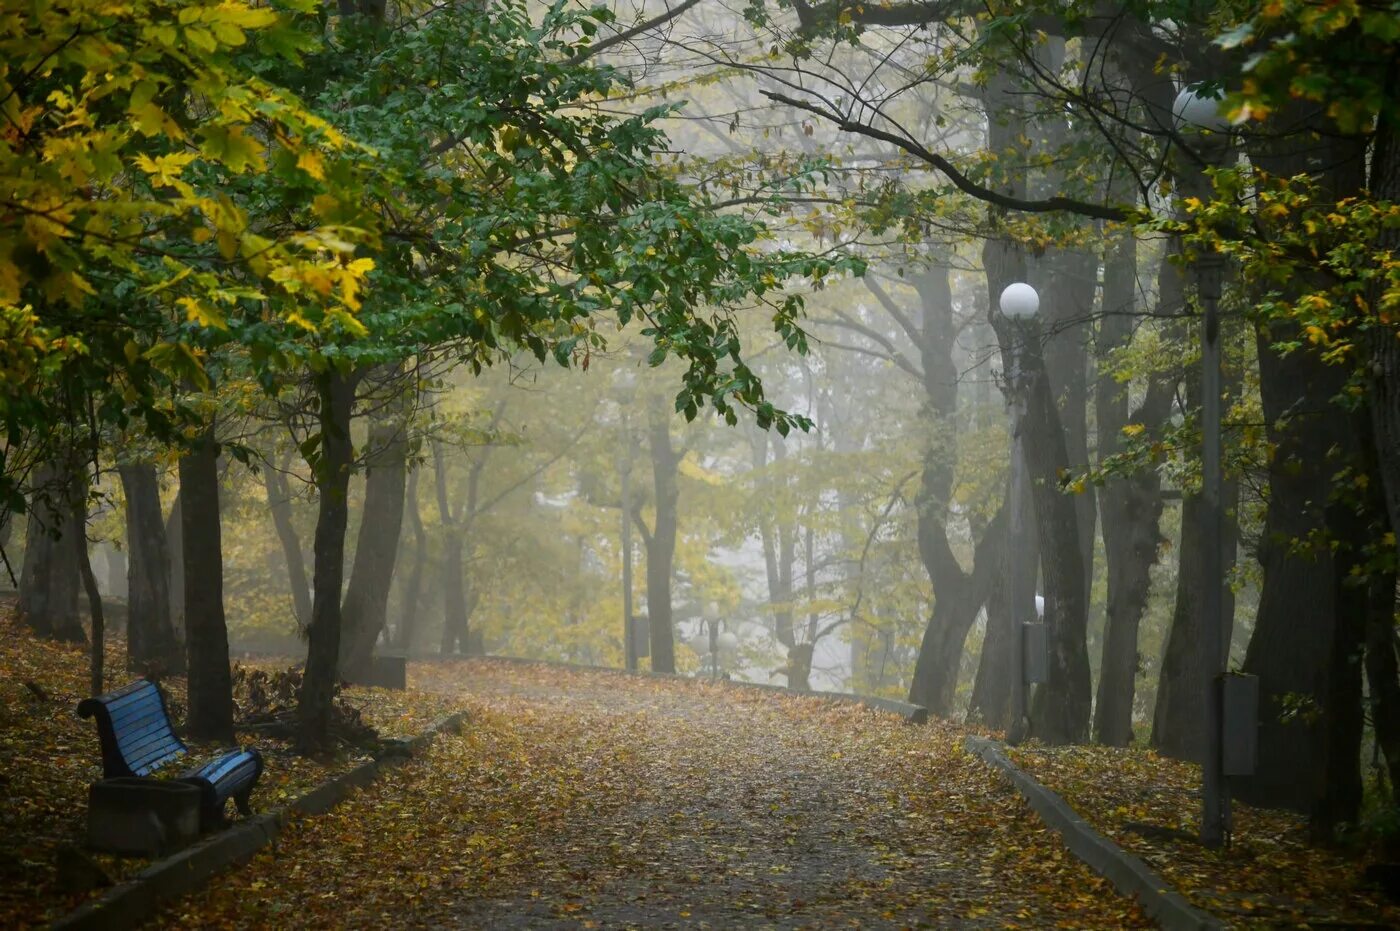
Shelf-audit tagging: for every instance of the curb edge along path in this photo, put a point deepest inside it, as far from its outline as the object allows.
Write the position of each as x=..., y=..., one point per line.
x=128, y=904
x=911, y=713
x=1127, y=873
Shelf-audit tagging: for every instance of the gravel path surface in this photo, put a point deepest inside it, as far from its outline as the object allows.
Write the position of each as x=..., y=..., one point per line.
x=583, y=799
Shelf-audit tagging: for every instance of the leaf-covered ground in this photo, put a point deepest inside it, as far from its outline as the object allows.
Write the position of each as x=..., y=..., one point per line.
x=49, y=756
x=584, y=799
x=1271, y=876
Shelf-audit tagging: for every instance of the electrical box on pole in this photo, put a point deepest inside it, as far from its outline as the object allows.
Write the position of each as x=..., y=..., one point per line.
x=1036, y=642
x=1239, y=706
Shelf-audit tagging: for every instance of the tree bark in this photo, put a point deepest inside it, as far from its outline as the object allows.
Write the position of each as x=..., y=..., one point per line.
x=409, y=606
x=1061, y=706
x=366, y=603
x=150, y=635
x=779, y=541
x=991, y=690
x=1383, y=675
x=336, y=395
x=279, y=501
x=1295, y=628
x=660, y=542
x=49, y=581
x=958, y=593
x=175, y=543
x=97, y=654
x=1130, y=505
x=206, y=633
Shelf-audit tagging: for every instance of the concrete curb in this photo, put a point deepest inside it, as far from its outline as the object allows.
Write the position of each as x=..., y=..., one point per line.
x=130, y=903
x=911, y=713
x=1129, y=875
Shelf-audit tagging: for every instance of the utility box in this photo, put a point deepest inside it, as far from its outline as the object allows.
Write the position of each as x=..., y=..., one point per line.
x=142, y=817
x=1239, y=731
x=385, y=671
x=1035, y=645
x=641, y=636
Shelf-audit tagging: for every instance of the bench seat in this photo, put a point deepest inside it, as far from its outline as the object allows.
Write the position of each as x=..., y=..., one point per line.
x=134, y=729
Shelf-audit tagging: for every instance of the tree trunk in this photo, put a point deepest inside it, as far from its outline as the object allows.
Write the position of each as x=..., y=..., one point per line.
x=366, y=603
x=1130, y=506
x=661, y=542
x=1339, y=802
x=1179, y=715
x=97, y=655
x=206, y=634
x=409, y=607
x=49, y=581
x=175, y=543
x=1295, y=629
x=336, y=395
x=1061, y=706
x=455, y=616
x=779, y=540
x=1383, y=675
x=996, y=667
x=279, y=502
x=1381, y=342
x=150, y=635
x=958, y=593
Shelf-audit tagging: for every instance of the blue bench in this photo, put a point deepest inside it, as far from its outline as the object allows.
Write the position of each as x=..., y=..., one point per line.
x=134, y=728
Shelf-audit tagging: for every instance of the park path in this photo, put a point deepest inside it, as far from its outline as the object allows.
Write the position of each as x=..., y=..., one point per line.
x=582, y=799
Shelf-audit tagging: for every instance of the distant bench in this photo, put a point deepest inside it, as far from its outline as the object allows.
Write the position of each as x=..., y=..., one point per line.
x=137, y=739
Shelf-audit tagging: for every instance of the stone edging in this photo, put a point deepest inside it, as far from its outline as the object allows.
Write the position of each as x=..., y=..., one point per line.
x=1127, y=873
x=911, y=713
x=132, y=902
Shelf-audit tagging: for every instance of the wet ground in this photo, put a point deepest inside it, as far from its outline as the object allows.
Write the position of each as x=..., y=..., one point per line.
x=588, y=800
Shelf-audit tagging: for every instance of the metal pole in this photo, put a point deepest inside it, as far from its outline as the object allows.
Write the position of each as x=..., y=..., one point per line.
x=1214, y=647
x=1016, y=539
x=628, y=641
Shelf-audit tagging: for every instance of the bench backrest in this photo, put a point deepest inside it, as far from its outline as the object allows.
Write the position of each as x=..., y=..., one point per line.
x=134, y=728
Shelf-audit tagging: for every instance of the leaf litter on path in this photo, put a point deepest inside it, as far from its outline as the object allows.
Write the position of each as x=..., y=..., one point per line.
x=585, y=799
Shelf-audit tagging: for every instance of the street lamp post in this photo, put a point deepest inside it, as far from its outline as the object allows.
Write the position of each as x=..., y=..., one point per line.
x=1019, y=304
x=1198, y=117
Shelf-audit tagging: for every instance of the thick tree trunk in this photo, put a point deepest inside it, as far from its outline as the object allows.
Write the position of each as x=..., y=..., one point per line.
x=958, y=593
x=366, y=603
x=150, y=635
x=661, y=541
x=1383, y=675
x=1130, y=506
x=1060, y=709
x=49, y=581
x=279, y=502
x=1339, y=801
x=1381, y=342
x=1295, y=629
x=206, y=633
x=997, y=666
x=1179, y=715
x=336, y=395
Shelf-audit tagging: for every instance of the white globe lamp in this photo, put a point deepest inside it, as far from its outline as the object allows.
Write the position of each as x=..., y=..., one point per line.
x=1019, y=302
x=1194, y=111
